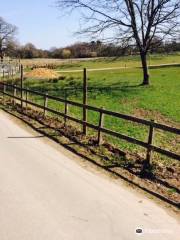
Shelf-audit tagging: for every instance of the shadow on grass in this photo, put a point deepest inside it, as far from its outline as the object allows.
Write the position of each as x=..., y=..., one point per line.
x=74, y=142
x=77, y=91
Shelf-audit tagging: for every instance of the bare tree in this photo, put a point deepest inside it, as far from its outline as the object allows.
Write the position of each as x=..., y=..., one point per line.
x=136, y=22
x=7, y=32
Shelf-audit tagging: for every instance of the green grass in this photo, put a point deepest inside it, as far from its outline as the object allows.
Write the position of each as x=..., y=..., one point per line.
x=120, y=91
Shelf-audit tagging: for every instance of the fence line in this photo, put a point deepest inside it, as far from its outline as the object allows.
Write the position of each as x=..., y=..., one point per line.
x=102, y=113
x=9, y=68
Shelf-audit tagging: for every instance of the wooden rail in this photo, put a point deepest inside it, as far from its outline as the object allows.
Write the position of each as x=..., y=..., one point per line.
x=102, y=113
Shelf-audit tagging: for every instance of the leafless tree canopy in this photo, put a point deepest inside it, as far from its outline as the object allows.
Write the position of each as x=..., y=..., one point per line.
x=7, y=32
x=128, y=21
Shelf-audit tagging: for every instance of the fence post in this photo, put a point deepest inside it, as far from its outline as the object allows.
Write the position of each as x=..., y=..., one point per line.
x=84, y=101
x=101, y=123
x=22, y=71
x=45, y=103
x=65, y=112
x=65, y=109
x=26, y=98
x=4, y=91
x=150, y=142
x=14, y=94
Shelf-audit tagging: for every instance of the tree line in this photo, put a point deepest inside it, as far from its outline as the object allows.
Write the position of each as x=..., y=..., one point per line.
x=86, y=50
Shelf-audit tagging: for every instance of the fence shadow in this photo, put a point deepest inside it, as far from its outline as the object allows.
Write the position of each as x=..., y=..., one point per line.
x=69, y=92
x=25, y=137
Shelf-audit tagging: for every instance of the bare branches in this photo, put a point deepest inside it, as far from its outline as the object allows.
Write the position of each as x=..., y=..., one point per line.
x=7, y=32
x=144, y=18
x=137, y=22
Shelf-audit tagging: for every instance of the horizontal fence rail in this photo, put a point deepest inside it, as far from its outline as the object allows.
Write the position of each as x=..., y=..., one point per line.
x=102, y=112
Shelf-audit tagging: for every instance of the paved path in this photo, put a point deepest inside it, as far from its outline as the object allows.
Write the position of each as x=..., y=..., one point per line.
x=116, y=68
x=45, y=195
x=92, y=69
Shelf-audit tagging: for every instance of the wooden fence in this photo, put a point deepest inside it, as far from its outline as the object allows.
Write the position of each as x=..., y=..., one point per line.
x=11, y=91
x=8, y=69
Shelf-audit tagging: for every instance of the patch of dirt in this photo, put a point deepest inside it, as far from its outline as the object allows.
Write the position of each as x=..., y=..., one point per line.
x=171, y=141
x=128, y=101
x=42, y=73
x=155, y=115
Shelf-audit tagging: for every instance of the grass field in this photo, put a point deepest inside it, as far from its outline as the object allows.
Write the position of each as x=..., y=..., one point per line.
x=120, y=91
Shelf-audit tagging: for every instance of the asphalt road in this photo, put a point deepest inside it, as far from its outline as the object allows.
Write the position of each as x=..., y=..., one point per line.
x=47, y=195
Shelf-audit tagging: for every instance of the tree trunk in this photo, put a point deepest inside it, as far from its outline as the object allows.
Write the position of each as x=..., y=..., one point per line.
x=1, y=54
x=145, y=68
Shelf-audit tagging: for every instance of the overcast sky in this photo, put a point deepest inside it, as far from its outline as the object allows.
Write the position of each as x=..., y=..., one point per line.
x=39, y=22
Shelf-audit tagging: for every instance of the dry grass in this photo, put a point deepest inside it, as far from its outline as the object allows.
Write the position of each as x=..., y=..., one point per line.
x=42, y=73
x=46, y=63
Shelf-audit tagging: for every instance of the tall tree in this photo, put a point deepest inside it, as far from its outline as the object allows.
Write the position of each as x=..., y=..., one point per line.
x=7, y=32
x=30, y=51
x=134, y=21
x=12, y=48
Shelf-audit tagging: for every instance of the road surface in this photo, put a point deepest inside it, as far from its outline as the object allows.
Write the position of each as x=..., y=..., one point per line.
x=46, y=195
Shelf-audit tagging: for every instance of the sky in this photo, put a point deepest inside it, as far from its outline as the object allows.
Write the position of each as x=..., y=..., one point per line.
x=40, y=23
